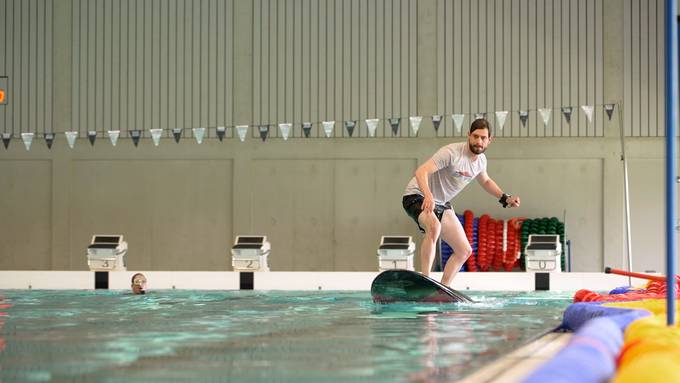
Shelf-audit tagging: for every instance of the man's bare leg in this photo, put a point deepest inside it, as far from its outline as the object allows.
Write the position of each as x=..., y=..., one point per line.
x=453, y=233
x=430, y=223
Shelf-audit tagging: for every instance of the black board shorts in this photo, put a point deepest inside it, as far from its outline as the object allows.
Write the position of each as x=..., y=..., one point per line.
x=413, y=205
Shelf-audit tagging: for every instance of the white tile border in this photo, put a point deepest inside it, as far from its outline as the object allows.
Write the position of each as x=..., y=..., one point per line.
x=119, y=280
x=181, y=280
x=47, y=280
x=590, y=281
x=476, y=281
x=308, y=280
x=311, y=280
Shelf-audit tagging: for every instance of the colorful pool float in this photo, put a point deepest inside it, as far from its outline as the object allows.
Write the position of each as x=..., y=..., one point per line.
x=621, y=337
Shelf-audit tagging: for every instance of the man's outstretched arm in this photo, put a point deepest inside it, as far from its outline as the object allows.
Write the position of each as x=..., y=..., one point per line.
x=492, y=188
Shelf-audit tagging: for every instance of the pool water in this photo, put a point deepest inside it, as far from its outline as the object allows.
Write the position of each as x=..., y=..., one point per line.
x=239, y=336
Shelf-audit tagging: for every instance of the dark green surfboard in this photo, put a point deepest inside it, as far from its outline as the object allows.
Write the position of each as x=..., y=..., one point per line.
x=394, y=286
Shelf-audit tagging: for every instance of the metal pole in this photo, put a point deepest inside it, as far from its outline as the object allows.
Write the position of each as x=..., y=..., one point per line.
x=671, y=167
x=626, y=198
x=567, y=243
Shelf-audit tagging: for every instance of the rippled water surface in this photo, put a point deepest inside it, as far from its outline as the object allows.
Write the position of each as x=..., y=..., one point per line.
x=237, y=336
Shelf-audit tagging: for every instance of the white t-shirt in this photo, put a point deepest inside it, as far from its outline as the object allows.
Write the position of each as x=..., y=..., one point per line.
x=455, y=169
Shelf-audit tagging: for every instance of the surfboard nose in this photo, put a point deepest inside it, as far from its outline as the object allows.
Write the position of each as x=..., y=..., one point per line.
x=393, y=286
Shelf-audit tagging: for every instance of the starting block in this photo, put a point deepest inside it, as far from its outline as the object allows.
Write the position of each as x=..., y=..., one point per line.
x=543, y=253
x=396, y=252
x=250, y=253
x=106, y=252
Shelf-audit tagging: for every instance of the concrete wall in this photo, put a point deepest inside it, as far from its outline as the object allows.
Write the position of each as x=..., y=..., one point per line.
x=323, y=202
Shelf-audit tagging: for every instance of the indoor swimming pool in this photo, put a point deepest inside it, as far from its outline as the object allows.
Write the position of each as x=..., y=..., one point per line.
x=260, y=336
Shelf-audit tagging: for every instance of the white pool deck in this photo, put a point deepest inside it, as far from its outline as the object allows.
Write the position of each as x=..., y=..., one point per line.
x=300, y=281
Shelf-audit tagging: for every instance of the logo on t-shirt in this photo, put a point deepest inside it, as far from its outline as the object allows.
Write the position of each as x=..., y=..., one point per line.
x=462, y=174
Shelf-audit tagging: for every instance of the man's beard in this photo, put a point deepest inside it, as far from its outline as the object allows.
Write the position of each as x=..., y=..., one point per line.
x=476, y=149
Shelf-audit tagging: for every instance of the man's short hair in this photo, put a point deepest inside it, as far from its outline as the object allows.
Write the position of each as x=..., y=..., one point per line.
x=480, y=123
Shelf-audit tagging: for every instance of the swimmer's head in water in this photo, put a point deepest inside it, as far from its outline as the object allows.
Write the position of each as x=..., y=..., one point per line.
x=138, y=283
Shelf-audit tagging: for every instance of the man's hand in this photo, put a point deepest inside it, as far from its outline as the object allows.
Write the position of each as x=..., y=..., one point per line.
x=513, y=201
x=509, y=201
x=428, y=203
